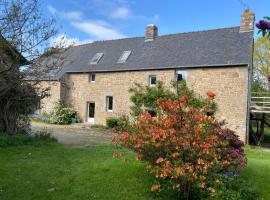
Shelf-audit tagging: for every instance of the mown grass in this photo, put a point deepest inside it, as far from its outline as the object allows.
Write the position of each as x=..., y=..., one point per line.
x=258, y=170
x=52, y=171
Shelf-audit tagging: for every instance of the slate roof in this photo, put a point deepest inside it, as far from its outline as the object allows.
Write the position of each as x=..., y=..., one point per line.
x=217, y=47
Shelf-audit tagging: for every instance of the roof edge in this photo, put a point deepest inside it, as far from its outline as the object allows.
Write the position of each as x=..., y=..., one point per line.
x=165, y=68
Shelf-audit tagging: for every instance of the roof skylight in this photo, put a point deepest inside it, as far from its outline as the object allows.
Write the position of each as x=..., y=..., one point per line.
x=123, y=58
x=96, y=58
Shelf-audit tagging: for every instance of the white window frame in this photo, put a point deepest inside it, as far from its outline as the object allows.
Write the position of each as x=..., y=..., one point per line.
x=90, y=78
x=184, y=74
x=150, y=82
x=107, y=103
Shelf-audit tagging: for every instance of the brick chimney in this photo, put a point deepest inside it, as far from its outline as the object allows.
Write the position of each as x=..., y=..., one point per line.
x=151, y=32
x=247, y=21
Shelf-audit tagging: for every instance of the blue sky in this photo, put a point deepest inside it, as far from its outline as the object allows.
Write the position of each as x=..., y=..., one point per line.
x=84, y=21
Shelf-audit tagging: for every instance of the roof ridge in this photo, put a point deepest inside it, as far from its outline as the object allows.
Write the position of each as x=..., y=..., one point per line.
x=166, y=35
x=199, y=31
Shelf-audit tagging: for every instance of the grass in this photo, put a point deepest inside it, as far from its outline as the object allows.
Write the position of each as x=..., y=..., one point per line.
x=56, y=172
x=52, y=171
x=258, y=170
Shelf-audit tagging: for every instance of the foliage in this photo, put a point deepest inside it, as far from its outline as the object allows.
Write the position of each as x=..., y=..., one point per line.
x=43, y=118
x=112, y=122
x=261, y=59
x=185, y=149
x=40, y=138
x=235, y=188
x=28, y=29
x=99, y=126
x=119, y=124
x=264, y=26
x=144, y=98
x=61, y=114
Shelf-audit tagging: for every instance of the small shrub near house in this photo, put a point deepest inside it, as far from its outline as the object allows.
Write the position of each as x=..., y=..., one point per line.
x=61, y=114
x=118, y=123
x=187, y=150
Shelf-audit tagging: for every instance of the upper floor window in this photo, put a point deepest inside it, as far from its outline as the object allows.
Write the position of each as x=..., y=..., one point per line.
x=92, y=77
x=152, y=81
x=181, y=75
x=96, y=58
x=123, y=58
x=109, y=103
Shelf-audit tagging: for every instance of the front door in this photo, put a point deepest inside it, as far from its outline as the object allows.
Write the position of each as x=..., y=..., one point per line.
x=91, y=112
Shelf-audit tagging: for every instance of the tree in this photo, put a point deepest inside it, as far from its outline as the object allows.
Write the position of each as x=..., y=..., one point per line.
x=26, y=28
x=262, y=60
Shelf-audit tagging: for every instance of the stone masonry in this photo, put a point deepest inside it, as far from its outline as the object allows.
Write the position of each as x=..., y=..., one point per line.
x=229, y=83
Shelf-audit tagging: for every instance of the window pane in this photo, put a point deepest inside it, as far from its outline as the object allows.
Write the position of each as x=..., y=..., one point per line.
x=152, y=80
x=179, y=77
x=125, y=55
x=93, y=77
x=109, y=102
x=96, y=58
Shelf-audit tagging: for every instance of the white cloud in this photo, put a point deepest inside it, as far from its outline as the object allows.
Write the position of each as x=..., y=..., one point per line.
x=64, y=41
x=72, y=15
x=98, y=30
x=121, y=12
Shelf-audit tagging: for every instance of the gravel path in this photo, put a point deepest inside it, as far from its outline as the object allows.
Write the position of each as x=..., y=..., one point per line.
x=75, y=136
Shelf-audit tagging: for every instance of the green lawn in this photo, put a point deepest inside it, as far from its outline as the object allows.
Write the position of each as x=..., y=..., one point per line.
x=56, y=172
x=258, y=170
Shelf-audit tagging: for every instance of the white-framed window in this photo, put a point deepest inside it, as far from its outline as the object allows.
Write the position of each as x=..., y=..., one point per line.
x=96, y=58
x=92, y=77
x=181, y=75
x=152, y=80
x=109, y=103
x=123, y=58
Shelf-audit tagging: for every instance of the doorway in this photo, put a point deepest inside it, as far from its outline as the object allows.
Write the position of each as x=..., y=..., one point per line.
x=91, y=112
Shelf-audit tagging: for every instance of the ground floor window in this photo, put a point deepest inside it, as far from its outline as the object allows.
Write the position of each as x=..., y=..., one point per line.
x=109, y=103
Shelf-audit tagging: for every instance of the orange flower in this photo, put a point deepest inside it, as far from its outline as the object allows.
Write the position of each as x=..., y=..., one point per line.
x=200, y=161
x=202, y=185
x=155, y=136
x=114, y=139
x=180, y=171
x=174, y=155
x=212, y=190
x=117, y=155
x=155, y=187
x=210, y=94
x=159, y=160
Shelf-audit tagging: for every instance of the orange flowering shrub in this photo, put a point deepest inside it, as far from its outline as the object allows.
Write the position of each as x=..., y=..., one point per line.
x=184, y=148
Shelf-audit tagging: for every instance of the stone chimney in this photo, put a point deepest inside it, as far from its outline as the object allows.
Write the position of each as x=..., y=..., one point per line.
x=247, y=21
x=151, y=32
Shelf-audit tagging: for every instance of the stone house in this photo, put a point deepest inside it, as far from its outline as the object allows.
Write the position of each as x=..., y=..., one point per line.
x=97, y=77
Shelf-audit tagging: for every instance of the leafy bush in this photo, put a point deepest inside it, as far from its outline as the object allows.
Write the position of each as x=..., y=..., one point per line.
x=112, y=122
x=119, y=124
x=184, y=148
x=145, y=97
x=235, y=189
x=40, y=138
x=61, y=114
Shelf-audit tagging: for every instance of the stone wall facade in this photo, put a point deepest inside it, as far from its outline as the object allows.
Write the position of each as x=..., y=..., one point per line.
x=47, y=103
x=229, y=83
